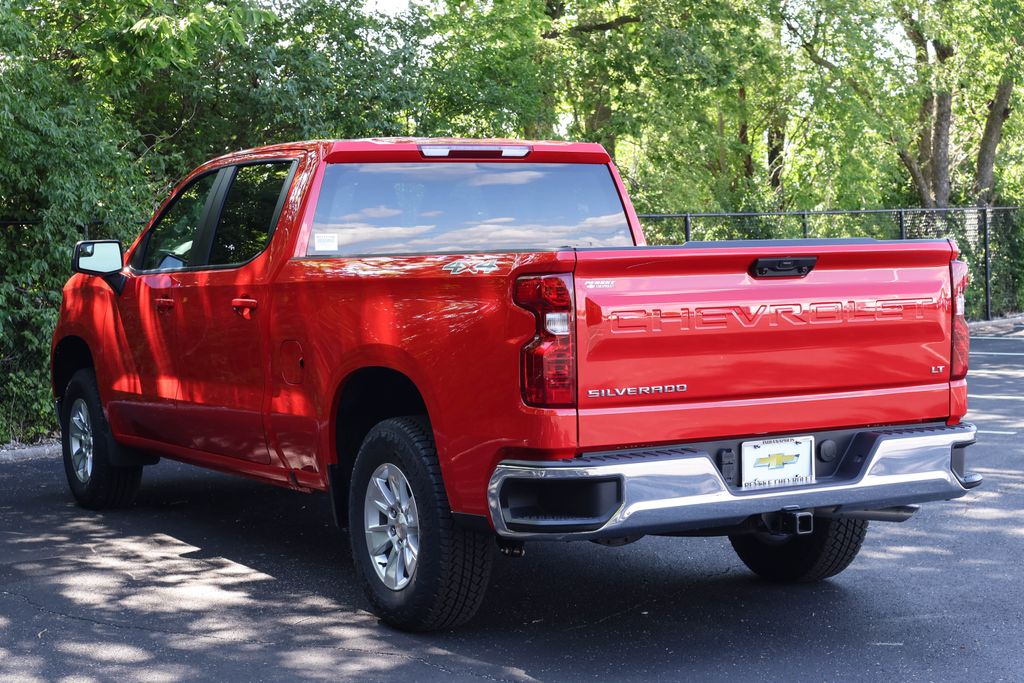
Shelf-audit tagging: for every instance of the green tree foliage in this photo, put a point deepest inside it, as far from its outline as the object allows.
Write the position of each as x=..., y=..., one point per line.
x=706, y=105
x=932, y=81
x=487, y=71
x=104, y=105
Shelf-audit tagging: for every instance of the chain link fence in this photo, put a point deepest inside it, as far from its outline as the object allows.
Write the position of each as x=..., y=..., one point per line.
x=991, y=240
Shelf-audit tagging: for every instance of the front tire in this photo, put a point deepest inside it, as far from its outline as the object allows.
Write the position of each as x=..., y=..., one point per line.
x=823, y=553
x=89, y=447
x=420, y=571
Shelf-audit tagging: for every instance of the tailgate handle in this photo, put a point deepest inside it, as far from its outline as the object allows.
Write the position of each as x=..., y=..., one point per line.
x=783, y=267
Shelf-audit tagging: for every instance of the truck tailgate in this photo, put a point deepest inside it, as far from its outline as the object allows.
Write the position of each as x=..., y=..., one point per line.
x=684, y=343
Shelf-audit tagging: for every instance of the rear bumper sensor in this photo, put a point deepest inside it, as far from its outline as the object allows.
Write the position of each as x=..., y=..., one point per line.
x=674, y=489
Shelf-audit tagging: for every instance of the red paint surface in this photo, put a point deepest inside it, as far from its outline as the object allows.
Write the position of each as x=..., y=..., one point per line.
x=183, y=369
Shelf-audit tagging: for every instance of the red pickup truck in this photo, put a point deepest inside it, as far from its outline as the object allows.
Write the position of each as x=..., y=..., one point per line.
x=468, y=344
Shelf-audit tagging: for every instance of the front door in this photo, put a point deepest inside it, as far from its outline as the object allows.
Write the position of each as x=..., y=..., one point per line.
x=143, y=397
x=222, y=352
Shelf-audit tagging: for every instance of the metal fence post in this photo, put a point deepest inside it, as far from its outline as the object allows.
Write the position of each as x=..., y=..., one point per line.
x=803, y=217
x=902, y=219
x=686, y=226
x=988, y=263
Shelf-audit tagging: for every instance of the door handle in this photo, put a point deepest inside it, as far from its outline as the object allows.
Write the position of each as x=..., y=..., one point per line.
x=244, y=307
x=163, y=304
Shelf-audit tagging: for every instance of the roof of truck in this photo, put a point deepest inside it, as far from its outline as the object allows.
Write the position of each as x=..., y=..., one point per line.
x=411, y=149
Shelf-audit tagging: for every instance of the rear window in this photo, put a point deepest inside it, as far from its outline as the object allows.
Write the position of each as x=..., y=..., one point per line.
x=250, y=211
x=411, y=208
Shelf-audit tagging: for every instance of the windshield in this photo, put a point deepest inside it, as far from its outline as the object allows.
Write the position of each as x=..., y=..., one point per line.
x=409, y=208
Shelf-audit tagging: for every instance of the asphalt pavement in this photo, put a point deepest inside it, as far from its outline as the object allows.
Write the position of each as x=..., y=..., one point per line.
x=212, y=577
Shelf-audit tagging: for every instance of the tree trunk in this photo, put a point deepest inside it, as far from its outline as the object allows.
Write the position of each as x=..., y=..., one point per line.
x=776, y=134
x=940, y=132
x=596, y=124
x=744, y=135
x=721, y=144
x=539, y=127
x=998, y=112
x=924, y=140
x=912, y=27
x=940, y=148
x=776, y=149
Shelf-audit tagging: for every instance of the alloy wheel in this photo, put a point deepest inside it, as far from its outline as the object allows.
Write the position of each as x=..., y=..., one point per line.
x=81, y=437
x=391, y=526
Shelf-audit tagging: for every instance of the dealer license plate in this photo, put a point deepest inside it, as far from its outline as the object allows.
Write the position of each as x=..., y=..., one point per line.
x=787, y=461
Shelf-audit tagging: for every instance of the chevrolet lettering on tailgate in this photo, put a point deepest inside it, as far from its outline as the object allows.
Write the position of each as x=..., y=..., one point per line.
x=766, y=315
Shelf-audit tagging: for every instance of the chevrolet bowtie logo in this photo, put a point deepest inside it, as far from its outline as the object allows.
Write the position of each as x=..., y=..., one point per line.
x=775, y=461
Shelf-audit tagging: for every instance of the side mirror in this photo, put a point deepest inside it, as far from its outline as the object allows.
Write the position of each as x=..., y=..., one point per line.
x=98, y=257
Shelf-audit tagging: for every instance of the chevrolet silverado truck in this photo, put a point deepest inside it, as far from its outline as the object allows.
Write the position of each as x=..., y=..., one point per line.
x=469, y=346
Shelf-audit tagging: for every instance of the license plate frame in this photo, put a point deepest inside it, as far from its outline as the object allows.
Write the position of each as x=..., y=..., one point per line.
x=777, y=462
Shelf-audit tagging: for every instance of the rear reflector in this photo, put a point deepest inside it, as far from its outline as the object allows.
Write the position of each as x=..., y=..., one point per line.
x=549, y=359
x=475, y=151
x=959, y=358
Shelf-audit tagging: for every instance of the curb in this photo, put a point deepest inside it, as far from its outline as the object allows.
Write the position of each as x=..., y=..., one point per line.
x=43, y=451
x=1007, y=323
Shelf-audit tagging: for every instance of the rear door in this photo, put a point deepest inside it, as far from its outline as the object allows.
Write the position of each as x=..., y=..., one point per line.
x=221, y=351
x=698, y=342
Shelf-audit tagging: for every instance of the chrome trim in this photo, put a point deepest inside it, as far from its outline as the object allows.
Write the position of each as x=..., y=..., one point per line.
x=678, y=489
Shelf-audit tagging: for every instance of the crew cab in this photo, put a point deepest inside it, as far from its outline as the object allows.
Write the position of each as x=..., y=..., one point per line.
x=469, y=345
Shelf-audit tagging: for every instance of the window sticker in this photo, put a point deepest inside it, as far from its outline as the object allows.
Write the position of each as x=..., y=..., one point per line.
x=325, y=241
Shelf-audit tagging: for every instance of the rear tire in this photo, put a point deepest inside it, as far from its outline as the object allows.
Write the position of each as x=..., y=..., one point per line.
x=825, y=552
x=89, y=447
x=442, y=584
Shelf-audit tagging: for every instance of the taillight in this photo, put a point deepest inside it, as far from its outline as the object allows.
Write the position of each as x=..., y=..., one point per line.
x=549, y=359
x=961, y=333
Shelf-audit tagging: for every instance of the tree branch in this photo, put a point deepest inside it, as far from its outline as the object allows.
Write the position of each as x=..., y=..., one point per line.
x=817, y=58
x=920, y=182
x=913, y=29
x=596, y=27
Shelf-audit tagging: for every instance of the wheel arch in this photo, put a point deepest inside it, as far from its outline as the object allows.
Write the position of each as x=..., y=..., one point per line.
x=70, y=355
x=365, y=397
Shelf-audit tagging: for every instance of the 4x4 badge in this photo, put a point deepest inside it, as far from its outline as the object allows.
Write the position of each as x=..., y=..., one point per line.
x=468, y=266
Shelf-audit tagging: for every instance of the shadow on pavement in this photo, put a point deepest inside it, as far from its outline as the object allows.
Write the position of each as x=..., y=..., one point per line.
x=214, y=577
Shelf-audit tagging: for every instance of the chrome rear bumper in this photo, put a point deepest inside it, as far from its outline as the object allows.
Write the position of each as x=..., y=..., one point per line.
x=678, y=489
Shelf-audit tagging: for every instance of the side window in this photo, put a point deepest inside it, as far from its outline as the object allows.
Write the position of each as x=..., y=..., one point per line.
x=250, y=211
x=170, y=242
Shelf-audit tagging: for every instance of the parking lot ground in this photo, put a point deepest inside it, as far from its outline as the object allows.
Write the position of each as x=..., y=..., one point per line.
x=211, y=577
